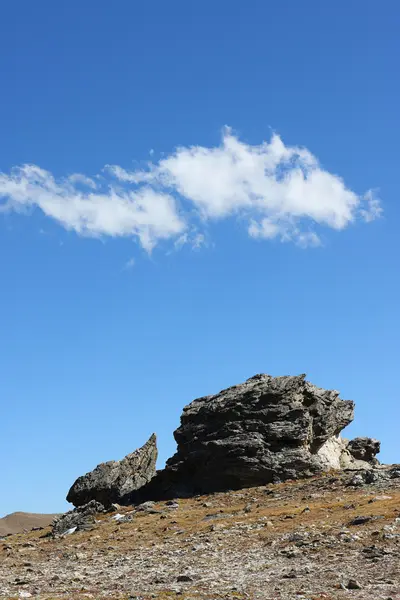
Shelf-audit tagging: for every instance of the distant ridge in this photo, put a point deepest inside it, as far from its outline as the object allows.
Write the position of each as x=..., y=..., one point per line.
x=18, y=521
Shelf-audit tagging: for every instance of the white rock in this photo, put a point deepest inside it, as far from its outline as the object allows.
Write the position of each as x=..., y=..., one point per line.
x=117, y=517
x=70, y=531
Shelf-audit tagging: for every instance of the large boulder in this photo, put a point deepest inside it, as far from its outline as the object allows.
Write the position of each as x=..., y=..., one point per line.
x=112, y=481
x=364, y=448
x=264, y=430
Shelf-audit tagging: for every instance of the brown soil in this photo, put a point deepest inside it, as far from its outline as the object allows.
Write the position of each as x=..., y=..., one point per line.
x=19, y=521
x=279, y=542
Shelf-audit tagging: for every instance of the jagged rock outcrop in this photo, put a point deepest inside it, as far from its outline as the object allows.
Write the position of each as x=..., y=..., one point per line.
x=113, y=481
x=266, y=429
x=339, y=453
x=79, y=519
x=364, y=448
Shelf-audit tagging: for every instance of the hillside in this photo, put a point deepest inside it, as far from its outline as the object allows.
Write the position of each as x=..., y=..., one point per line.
x=20, y=521
x=329, y=537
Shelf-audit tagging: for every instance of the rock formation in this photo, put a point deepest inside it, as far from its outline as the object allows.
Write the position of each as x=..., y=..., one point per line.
x=267, y=429
x=339, y=453
x=364, y=448
x=79, y=519
x=264, y=430
x=112, y=481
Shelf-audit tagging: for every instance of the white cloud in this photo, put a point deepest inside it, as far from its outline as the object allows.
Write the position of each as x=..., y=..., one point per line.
x=145, y=213
x=130, y=264
x=193, y=238
x=373, y=209
x=77, y=178
x=280, y=191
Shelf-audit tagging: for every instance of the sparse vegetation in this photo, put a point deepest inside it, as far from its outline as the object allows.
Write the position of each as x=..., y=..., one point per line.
x=291, y=540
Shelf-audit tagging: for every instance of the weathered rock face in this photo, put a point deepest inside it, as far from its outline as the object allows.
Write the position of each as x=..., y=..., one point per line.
x=364, y=448
x=339, y=453
x=79, y=519
x=266, y=429
x=112, y=481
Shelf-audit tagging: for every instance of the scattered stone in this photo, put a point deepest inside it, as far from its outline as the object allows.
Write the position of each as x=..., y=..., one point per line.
x=353, y=584
x=81, y=519
x=290, y=575
x=360, y=520
x=184, y=578
x=379, y=499
x=117, y=517
x=357, y=481
x=145, y=506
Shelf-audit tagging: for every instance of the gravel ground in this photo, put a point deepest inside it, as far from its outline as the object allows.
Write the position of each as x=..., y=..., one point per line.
x=306, y=540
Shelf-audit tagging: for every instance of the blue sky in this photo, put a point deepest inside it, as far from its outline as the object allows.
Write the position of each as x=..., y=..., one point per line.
x=211, y=192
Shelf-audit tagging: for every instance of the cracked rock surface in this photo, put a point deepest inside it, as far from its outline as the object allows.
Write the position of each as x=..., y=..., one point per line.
x=111, y=481
x=263, y=430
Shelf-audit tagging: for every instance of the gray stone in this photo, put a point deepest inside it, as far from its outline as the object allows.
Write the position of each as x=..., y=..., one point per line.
x=114, y=481
x=81, y=518
x=364, y=448
x=353, y=584
x=263, y=430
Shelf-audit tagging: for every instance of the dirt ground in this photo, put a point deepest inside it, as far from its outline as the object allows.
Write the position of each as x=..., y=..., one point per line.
x=316, y=539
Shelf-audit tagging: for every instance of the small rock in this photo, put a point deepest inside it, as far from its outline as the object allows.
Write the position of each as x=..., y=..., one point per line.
x=357, y=480
x=70, y=531
x=379, y=499
x=290, y=575
x=184, y=578
x=117, y=517
x=145, y=506
x=353, y=584
x=360, y=520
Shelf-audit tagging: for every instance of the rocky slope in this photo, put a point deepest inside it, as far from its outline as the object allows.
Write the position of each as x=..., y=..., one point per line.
x=262, y=500
x=330, y=537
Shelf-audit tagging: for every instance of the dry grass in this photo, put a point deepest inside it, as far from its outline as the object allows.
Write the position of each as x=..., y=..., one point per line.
x=267, y=515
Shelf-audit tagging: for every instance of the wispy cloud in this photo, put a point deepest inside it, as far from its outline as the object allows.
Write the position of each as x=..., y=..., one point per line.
x=280, y=192
x=114, y=211
x=129, y=264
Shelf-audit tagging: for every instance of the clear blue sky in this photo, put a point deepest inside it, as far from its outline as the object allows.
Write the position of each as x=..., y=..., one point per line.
x=126, y=295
